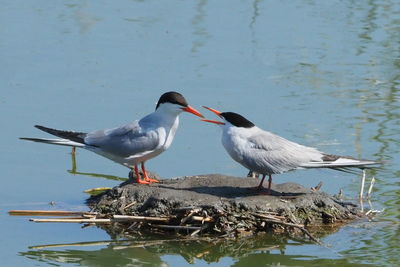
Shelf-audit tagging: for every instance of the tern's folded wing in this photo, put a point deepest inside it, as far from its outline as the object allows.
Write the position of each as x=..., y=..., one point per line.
x=124, y=141
x=277, y=154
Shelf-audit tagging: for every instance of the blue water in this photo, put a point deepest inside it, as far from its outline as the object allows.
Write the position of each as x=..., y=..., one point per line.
x=321, y=73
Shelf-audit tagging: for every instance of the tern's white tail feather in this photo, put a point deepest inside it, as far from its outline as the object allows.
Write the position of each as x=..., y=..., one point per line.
x=340, y=163
x=60, y=142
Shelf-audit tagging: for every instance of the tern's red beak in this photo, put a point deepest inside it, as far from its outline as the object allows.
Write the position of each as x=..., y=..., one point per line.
x=193, y=111
x=213, y=110
x=211, y=121
x=216, y=112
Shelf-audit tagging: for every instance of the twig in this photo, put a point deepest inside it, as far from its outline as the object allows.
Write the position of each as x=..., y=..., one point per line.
x=195, y=232
x=362, y=184
x=97, y=190
x=371, y=185
x=205, y=226
x=49, y=213
x=271, y=217
x=130, y=205
x=126, y=218
x=69, y=220
x=202, y=219
x=178, y=227
x=80, y=244
x=340, y=194
x=189, y=216
x=115, y=243
x=317, y=187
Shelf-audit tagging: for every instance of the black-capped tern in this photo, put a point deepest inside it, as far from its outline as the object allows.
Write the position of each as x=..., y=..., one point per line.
x=133, y=143
x=267, y=153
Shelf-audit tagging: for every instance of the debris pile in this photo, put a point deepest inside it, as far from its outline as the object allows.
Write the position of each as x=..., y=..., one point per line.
x=218, y=205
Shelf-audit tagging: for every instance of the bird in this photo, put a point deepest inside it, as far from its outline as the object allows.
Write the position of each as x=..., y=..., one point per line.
x=134, y=143
x=266, y=153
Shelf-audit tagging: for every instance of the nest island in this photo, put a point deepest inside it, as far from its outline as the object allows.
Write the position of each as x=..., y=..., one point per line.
x=219, y=205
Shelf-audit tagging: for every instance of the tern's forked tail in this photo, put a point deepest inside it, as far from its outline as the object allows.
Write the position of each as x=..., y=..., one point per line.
x=70, y=135
x=69, y=138
x=60, y=142
x=341, y=163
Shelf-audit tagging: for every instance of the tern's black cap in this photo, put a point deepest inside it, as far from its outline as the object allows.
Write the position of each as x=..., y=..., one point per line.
x=172, y=97
x=237, y=120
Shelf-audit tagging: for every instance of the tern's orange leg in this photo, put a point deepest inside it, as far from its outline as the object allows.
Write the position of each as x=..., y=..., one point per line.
x=146, y=177
x=138, y=180
x=269, y=184
x=260, y=186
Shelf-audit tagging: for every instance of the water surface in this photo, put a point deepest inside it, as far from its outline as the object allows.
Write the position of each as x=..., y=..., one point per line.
x=322, y=73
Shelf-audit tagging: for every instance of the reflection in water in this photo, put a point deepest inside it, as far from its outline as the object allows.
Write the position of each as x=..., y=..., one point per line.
x=85, y=19
x=96, y=175
x=200, y=32
x=369, y=26
x=251, y=251
x=354, y=62
x=379, y=105
x=256, y=13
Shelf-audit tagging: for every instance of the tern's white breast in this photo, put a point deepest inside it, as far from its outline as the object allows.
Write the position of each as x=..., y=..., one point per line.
x=234, y=139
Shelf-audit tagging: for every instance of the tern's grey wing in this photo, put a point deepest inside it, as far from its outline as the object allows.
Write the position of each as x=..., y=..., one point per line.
x=124, y=141
x=274, y=154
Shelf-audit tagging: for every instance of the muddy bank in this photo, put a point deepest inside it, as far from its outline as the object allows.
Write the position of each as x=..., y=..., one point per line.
x=220, y=205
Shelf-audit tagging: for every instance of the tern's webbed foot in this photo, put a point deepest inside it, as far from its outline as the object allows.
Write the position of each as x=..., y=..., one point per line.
x=139, y=181
x=133, y=178
x=150, y=180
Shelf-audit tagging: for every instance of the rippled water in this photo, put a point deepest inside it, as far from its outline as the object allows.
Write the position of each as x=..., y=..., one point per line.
x=322, y=73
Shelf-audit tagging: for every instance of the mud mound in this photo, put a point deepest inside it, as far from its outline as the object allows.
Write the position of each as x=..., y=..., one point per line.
x=220, y=205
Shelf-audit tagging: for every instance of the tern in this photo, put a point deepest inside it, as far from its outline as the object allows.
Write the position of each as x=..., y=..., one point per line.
x=267, y=153
x=133, y=143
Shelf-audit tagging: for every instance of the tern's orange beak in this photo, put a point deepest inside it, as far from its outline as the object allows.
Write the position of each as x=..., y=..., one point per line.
x=213, y=110
x=211, y=121
x=193, y=111
x=216, y=112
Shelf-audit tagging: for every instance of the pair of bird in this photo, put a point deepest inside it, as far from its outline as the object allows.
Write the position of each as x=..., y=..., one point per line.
x=257, y=150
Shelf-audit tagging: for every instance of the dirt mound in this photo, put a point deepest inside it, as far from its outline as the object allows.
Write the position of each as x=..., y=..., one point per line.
x=221, y=205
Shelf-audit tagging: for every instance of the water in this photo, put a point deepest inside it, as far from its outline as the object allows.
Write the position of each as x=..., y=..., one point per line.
x=322, y=73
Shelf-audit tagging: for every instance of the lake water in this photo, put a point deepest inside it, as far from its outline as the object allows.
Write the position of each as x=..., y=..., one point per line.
x=322, y=73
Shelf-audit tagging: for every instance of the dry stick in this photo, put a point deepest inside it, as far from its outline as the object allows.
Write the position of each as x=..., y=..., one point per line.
x=195, y=232
x=269, y=213
x=371, y=185
x=178, y=227
x=81, y=244
x=130, y=205
x=89, y=215
x=102, y=243
x=205, y=226
x=362, y=184
x=192, y=212
x=127, y=218
x=361, y=204
x=271, y=217
x=317, y=187
x=202, y=219
x=49, y=213
x=69, y=220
